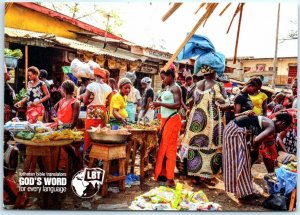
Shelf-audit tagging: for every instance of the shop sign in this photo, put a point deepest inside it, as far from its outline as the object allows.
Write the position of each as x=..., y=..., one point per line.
x=157, y=54
x=147, y=68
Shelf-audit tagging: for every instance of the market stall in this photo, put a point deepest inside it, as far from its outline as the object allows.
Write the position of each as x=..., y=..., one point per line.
x=43, y=141
x=143, y=137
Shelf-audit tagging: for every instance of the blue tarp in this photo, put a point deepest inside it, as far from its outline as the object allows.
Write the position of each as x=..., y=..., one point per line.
x=201, y=47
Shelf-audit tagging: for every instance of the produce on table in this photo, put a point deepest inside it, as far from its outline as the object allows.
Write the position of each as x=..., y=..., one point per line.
x=22, y=94
x=25, y=135
x=17, y=53
x=66, y=134
x=107, y=130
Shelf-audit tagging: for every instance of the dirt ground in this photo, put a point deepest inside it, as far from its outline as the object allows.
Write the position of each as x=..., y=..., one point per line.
x=121, y=200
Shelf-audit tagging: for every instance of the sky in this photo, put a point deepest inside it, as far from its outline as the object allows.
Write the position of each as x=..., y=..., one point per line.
x=142, y=25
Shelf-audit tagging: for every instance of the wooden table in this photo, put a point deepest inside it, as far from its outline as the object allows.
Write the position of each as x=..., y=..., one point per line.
x=49, y=151
x=147, y=140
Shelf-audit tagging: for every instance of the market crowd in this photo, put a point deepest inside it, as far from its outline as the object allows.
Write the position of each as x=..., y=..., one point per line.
x=205, y=127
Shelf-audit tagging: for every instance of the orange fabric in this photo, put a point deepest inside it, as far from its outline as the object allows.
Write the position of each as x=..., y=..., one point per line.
x=267, y=150
x=100, y=72
x=92, y=122
x=166, y=157
x=65, y=114
x=35, y=113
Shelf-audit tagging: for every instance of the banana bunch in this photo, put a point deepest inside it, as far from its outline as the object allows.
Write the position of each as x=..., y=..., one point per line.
x=66, y=134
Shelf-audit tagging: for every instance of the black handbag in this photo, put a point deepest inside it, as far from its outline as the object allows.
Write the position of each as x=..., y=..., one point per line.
x=276, y=201
x=159, y=134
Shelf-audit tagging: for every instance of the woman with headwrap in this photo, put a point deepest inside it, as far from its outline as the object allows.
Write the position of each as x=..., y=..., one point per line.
x=203, y=135
x=96, y=113
x=117, y=109
x=133, y=97
x=146, y=113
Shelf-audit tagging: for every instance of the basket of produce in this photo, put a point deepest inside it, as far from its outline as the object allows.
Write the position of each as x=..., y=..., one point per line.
x=106, y=135
x=11, y=57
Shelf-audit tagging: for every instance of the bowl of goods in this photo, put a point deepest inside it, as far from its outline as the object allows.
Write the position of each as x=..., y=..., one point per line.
x=106, y=135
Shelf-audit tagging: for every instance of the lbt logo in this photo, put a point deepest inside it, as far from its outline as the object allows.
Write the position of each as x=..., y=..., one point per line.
x=86, y=183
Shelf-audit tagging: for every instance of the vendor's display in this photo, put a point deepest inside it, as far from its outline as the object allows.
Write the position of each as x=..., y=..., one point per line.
x=41, y=132
x=153, y=125
x=107, y=135
x=164, y=198
x=66, y=134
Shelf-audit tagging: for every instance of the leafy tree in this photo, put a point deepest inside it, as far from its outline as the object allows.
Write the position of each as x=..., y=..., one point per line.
x=95, y=14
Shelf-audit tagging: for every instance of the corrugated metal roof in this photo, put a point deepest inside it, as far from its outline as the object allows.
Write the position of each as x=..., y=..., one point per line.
x=78, y=45
x=12, y=32
x=18, y=33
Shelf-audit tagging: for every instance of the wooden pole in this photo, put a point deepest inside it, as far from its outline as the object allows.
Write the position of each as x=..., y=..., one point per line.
x=201, y=5
x=26, y=66
x=276, y=48
x=171, y=11
x=209, y=11
x=227, y=6
x=238, y=33
x=235, y=13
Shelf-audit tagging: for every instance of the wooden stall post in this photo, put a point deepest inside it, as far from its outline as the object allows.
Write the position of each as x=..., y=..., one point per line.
x=238, y=33
x=211, y=7
x=171, y=11
x=26, y=66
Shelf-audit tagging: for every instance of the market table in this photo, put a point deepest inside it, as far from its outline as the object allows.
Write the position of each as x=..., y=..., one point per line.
x=147, y=140
x=49, y=151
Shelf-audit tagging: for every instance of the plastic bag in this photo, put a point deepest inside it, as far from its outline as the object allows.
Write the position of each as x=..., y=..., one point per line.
x=276, y=202
x=75, y=66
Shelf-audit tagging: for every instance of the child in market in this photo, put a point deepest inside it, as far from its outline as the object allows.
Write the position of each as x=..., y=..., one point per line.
x=10, y=165
x=68, y=113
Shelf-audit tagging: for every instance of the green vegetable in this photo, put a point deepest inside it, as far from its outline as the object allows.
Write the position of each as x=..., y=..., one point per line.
x=25, y=135
x=22, y=94
x=17, y=53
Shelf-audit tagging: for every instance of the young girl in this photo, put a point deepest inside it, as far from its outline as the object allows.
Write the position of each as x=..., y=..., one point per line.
x=68, y=113
x=118, y=113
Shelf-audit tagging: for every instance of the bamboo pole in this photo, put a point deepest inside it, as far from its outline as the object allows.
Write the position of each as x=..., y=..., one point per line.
x=276, y=48
x=235, y=13
x=26, y=66
x=238, y=33
x=171, y=11
x=201, y=5
x=210, y=9
x=227, y=6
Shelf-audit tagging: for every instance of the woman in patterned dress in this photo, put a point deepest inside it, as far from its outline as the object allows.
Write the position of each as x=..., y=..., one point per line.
x=37, y=94
x=203, y=135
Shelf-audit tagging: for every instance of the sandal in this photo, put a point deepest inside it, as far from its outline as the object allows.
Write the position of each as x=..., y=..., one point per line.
x=207, y=181
x=196, y=181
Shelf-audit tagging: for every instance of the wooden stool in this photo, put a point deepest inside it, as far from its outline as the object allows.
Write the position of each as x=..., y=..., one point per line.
x=107, y=153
